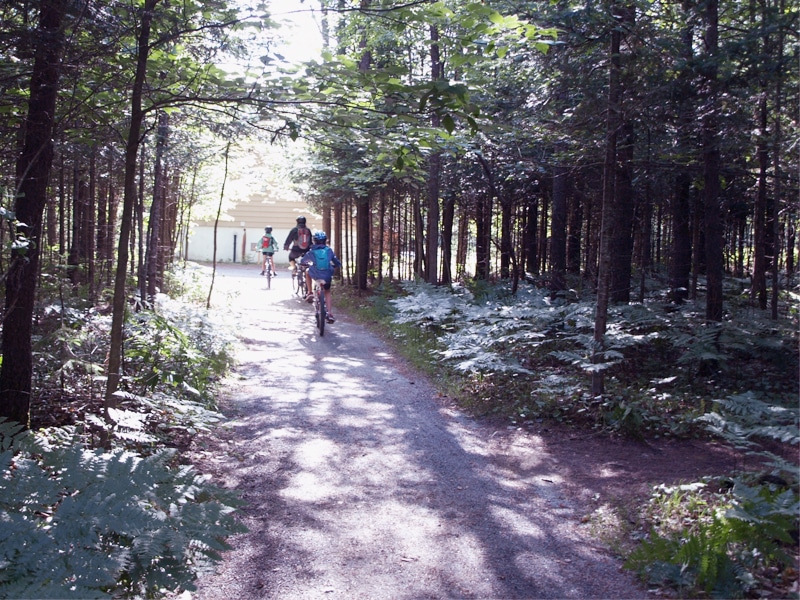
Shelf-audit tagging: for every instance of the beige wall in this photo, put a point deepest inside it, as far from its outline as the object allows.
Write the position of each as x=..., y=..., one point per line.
x=259, y=212
x=255, y=213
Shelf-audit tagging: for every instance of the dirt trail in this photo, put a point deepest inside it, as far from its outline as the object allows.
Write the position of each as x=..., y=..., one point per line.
x=361, y=482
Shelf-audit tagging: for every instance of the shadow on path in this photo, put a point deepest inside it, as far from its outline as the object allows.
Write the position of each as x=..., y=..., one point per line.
x=361, y=483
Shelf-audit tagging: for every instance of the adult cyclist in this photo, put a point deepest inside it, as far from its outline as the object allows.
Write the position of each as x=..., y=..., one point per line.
x=321, y=261
x=269, y=246
x=299, y=239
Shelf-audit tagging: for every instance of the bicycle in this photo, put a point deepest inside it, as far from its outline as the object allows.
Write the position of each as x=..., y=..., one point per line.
x=268, y=273
x=320, y=308
x=299, y=281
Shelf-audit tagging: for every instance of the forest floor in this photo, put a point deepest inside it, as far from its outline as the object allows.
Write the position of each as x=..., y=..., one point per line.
x=362, y=481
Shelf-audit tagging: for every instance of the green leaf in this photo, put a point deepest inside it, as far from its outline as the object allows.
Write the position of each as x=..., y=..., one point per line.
x=448, y=123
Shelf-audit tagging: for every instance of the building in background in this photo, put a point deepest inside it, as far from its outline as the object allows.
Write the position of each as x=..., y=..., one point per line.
x=240, y=229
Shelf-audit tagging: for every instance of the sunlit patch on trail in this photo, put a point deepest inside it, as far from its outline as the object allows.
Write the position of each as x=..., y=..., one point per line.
x=308, y=487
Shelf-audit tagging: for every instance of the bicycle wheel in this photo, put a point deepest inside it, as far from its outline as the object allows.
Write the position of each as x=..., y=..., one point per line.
x=269, y=276
x=302, y=289
x=322, y=312
x=295, y=281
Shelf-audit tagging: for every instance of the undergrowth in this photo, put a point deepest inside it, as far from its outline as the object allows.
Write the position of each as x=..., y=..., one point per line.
x=730, y=537
x=129, y=519
x=84, y=523
x=527, y=358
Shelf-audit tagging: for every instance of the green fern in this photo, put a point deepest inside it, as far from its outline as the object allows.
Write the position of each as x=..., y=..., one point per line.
x=752, y=527
x=80, y=523
x=742, y=419
x=697, y=559
x=428, y=305
x=177, y=346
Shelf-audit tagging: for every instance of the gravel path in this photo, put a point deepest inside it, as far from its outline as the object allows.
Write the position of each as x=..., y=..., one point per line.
x=362, y=482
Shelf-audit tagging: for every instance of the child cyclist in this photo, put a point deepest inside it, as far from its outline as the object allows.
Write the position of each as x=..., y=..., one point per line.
x=321, y=260
x=269, y=246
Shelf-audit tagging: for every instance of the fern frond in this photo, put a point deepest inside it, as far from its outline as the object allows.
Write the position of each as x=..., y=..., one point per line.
x=8, y=431
x=89, y=523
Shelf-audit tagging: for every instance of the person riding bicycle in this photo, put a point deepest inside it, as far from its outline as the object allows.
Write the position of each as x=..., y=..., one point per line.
x=321, y=261
x=269, y=246
x=299, y=239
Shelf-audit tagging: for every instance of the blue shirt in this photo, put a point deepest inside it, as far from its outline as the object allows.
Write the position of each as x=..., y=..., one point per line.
x=310, y=259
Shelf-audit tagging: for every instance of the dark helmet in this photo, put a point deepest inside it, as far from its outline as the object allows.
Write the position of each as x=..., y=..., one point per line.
x=301, y=220
x=268, y=229
x=320, y=237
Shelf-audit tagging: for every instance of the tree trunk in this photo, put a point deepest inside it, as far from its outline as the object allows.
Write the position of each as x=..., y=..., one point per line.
x=714, y=238
x=128, y=203
x=62, y=210
x=483, y=222
x=448, y=219
x=326, y=218
x=138, y=267
x=91, y=226
x=506, y=244
x=778, y=141
x=363, y=214
x=381, y=233
x=680, y=256
x=434, y=174
x=622, y=251
x=419, y=237
x=608, y=219
x=363, y=223
x=338, y=240
x=680, y=260
x=593, y=211
x=461, y=247
x=33, y=174
x=758, y=289
x=393, y=250
x=170, y=229
x=156, y=209
x=542, y=254
x=558, y=230
x=103, y=232
x=698, y=255
x=432, y=217
x=574, y=233
x=531, y=238
x=216, y=225
x=77, y=249
x=484, y=229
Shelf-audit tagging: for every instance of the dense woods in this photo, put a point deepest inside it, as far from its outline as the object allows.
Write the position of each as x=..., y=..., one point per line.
x=578, y=145
x=629, y=151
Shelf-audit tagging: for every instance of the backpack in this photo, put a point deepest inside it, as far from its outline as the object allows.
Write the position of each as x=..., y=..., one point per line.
x=303, y=238
x=267, y=241
x=321, y=259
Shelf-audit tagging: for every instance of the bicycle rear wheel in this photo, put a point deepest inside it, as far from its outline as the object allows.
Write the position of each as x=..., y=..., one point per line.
x=295, y=281
x=322, y=313
x=302, y=288
x=269, y=276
